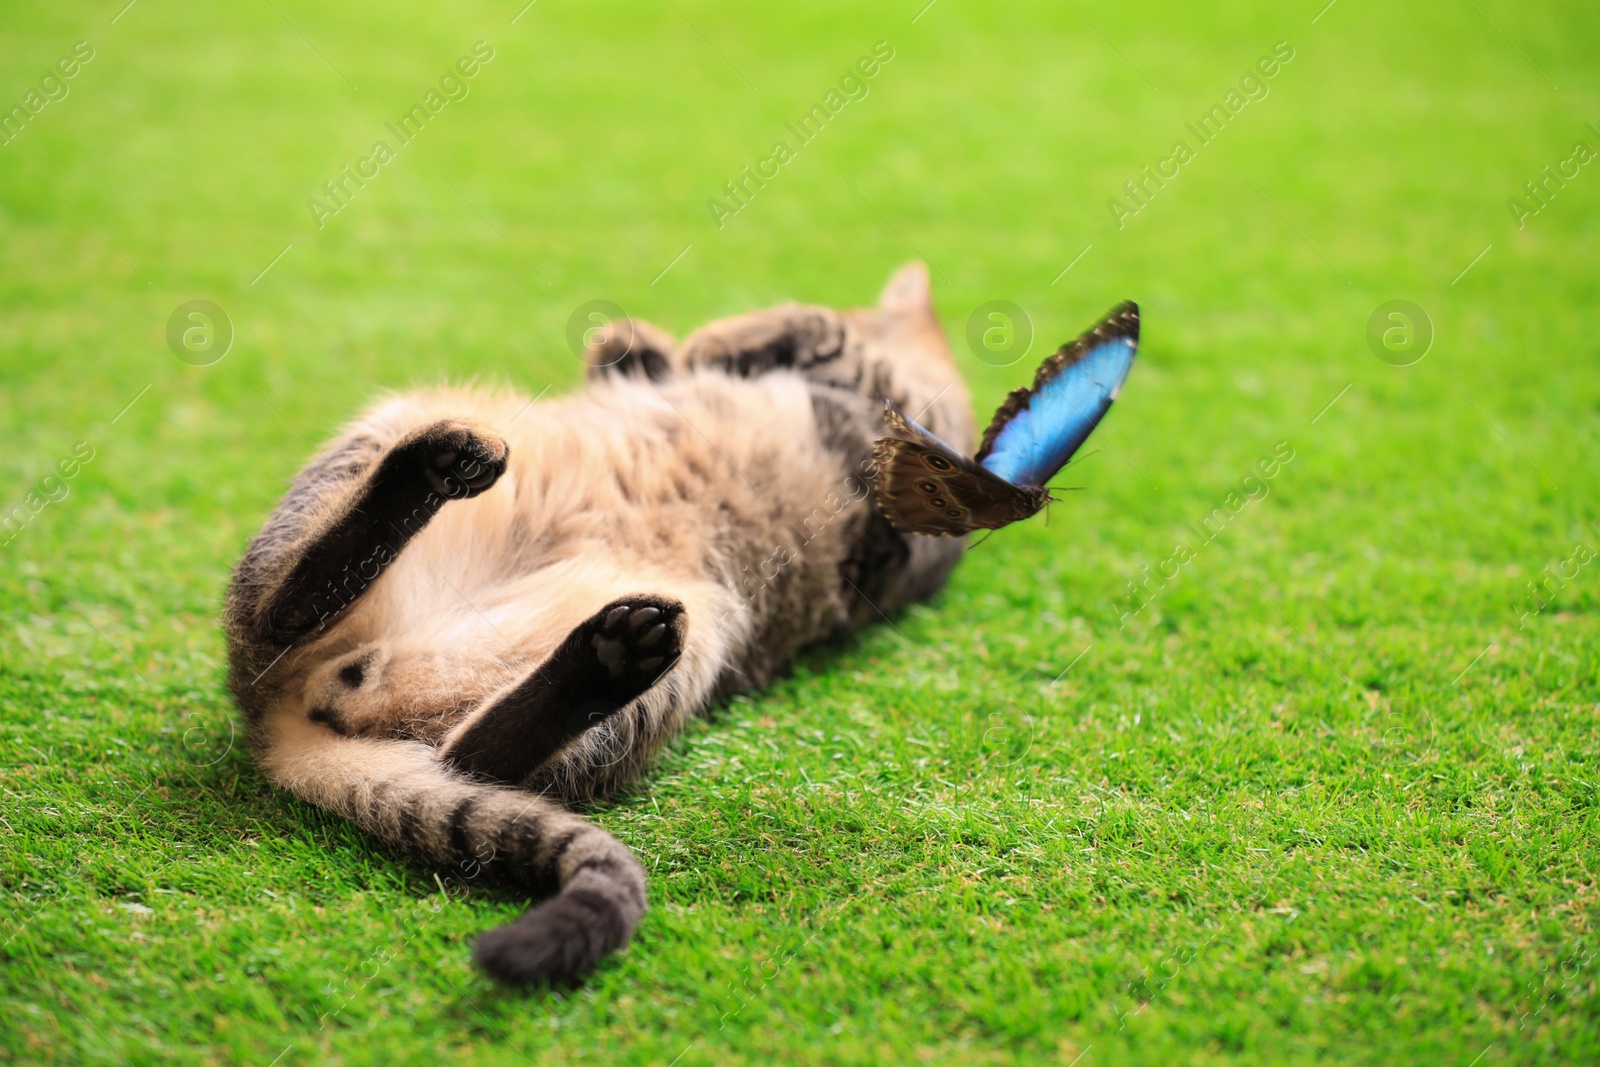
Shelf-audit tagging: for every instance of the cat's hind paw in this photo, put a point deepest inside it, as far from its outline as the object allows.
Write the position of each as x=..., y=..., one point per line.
x=607, y=661
x=636, y=639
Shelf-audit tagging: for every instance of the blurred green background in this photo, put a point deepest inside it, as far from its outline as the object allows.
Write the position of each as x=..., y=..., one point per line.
x=1330, y=796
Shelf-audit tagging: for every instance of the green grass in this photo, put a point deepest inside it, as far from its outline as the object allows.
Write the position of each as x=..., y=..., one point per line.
x=1326, y=799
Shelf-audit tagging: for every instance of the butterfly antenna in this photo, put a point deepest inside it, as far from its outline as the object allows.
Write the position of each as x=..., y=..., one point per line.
x=1080, y=458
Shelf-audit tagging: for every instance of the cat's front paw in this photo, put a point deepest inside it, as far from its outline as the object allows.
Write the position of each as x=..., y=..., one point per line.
x=457, y=459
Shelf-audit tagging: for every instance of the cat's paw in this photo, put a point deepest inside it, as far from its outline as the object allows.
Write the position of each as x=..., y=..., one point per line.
x=456, y=459
x=605, y=663
x=630, y=347
x=807, y=339
x=637, y=638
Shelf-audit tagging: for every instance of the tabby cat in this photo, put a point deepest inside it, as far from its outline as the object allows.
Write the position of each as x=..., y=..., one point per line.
x=471, y=608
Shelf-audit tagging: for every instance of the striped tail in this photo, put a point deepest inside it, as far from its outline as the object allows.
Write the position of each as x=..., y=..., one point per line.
x=400, y=793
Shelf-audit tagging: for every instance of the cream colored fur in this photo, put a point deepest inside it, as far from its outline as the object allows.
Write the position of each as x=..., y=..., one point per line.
x=689, y=488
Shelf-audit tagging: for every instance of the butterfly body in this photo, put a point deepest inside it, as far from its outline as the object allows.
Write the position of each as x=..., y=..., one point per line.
x=922, y=485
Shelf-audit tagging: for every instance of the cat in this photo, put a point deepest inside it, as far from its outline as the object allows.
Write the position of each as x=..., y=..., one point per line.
x=472, y=609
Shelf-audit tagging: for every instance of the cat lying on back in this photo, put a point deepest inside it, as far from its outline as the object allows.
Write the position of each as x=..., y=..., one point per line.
x=470, y=608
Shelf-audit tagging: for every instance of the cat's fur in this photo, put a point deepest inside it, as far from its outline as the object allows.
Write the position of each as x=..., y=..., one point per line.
x=470, y=608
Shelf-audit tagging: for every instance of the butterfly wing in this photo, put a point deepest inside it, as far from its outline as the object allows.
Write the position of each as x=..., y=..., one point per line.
x=1037, y=430
x=922, y=485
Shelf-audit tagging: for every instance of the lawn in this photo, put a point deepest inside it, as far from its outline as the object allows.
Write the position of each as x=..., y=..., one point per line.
x=1212, y=766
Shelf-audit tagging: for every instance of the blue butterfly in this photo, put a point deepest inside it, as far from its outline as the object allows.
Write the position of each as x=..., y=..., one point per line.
x=922, y=485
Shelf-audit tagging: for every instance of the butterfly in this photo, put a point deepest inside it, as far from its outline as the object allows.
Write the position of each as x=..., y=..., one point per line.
x=922, y=485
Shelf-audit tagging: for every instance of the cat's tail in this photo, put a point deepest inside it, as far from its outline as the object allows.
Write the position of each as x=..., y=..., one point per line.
x=399, y=792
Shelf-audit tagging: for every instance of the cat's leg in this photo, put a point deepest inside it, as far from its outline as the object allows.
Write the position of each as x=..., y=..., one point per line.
x=348, y=515
x=815, y=341
x=624, y=348
x=894, y=351
x=717, y=631
x=605, y=663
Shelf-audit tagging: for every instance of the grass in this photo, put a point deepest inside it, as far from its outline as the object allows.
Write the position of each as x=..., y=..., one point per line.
x=1329, y=797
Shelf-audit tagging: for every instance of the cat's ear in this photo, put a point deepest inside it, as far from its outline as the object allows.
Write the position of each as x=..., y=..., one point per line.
x=630, y=347
x=908, y=290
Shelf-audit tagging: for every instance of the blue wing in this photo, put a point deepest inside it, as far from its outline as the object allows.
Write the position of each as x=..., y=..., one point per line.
x=1037, y=430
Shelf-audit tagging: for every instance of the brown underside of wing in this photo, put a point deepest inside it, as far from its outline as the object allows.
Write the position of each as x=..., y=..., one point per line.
x=920, y=490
